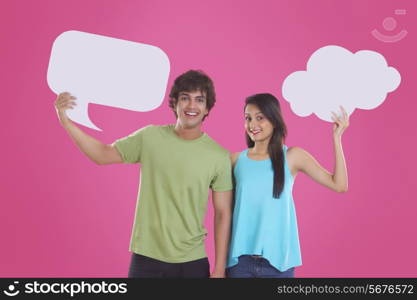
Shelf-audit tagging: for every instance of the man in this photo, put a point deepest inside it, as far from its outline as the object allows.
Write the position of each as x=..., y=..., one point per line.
x=179, y=164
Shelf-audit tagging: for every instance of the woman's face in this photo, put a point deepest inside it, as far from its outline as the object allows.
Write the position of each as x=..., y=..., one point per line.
x=257, y=126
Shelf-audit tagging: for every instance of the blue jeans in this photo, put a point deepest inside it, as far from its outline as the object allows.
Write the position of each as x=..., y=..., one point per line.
x=256, y=267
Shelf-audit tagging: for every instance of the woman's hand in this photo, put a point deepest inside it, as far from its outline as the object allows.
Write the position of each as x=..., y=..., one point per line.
x=340, y=122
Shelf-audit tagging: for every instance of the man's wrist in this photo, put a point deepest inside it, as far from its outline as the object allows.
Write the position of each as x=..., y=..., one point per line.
x=219, y=269
x=64, y=120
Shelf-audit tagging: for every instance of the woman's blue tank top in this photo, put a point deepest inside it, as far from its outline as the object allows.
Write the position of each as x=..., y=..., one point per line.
x=263, y=225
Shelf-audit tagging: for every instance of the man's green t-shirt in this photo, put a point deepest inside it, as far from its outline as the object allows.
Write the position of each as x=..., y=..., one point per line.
x=175, y=179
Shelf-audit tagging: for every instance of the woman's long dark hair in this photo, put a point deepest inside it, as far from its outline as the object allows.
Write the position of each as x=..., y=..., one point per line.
x=270, y=108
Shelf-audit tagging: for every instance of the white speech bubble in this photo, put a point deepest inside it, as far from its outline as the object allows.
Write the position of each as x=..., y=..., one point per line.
x=335, y=76
x=108, y=71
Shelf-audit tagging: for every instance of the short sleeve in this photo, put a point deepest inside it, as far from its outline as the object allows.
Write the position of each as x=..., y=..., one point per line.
x=222, y=180
x=131, y=146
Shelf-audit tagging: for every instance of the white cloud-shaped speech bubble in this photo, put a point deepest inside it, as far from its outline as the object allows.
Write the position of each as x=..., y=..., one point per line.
x=335, y=76
x=107, y=71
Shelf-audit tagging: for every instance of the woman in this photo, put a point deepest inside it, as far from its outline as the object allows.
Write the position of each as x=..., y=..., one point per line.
x=264, y=240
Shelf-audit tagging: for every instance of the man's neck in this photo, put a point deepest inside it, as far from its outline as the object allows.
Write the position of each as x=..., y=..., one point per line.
x=188, y=133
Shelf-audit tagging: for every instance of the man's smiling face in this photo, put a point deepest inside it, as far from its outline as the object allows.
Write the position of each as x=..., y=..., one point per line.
x=191, y=108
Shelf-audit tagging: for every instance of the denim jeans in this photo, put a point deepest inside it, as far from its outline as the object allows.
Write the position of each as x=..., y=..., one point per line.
x=256, y=267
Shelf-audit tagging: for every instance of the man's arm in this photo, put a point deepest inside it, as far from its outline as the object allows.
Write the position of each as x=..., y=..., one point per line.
x=95, y=150
x=222, y=202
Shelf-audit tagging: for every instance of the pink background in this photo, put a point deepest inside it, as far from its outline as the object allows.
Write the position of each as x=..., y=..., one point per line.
x=61, y=215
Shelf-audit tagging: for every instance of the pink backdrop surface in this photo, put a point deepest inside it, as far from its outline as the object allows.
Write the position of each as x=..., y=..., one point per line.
x=63, y=216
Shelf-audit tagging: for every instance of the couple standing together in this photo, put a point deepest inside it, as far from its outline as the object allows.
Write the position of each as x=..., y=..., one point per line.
x=255, y=226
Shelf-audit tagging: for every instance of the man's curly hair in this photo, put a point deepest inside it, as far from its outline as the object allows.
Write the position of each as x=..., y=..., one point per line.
x=190, y=81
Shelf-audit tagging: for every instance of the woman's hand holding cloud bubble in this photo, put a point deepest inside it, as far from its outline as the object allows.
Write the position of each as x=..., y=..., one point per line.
x=341, y=122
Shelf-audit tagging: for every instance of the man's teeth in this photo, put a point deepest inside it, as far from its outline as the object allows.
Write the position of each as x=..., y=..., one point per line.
x=191, y=113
